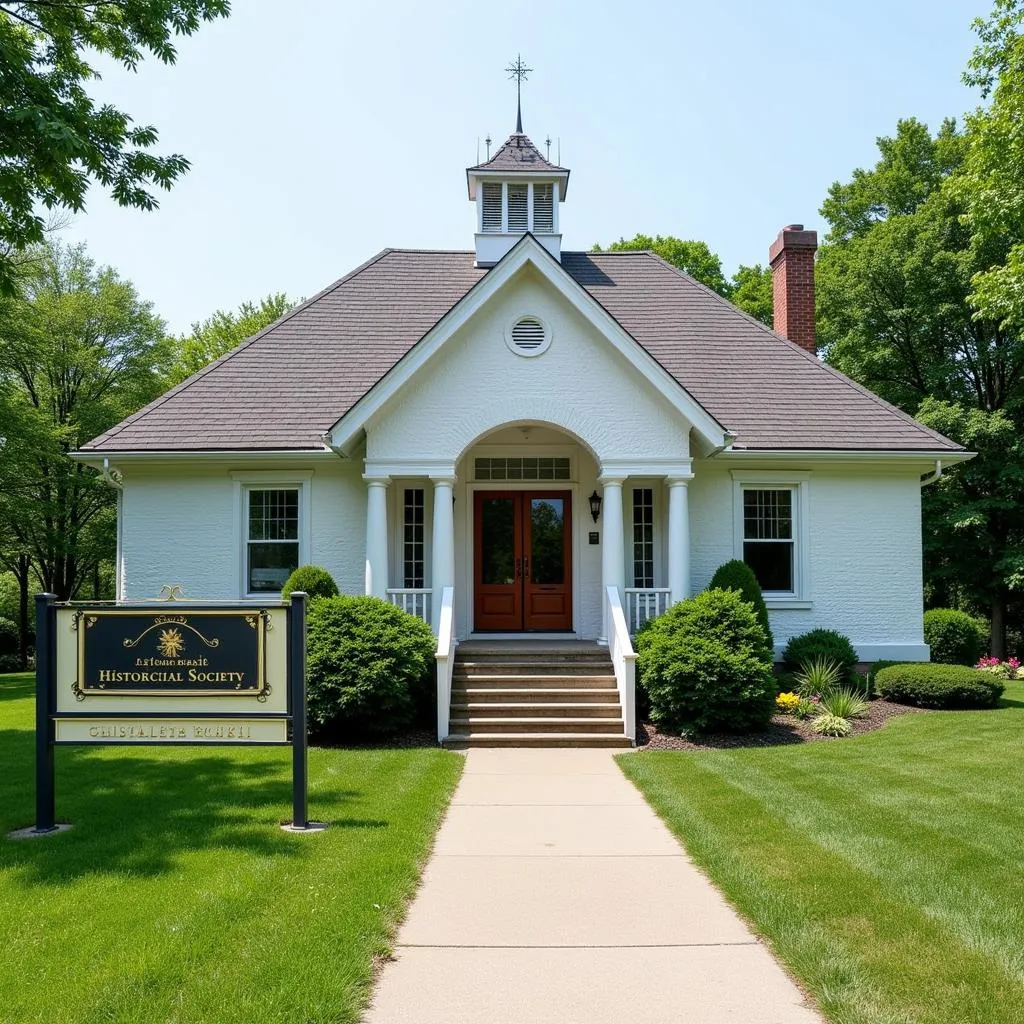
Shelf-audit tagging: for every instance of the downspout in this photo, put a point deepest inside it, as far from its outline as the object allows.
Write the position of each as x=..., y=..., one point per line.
x=113, y=478
x=930, y=478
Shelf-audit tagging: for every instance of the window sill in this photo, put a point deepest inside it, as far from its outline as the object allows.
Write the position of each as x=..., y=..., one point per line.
x=793, y=603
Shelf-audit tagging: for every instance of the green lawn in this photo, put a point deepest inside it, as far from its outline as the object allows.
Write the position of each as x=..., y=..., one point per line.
x=886, y=871
x=175, y=898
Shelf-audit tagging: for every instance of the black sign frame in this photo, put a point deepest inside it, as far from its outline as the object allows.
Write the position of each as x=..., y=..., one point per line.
x=46, y=703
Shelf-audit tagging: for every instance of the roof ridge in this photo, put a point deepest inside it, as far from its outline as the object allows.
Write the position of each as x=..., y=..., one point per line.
x=838, y=374
x=199, y=374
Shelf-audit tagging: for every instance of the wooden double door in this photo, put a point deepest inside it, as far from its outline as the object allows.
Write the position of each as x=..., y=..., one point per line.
x=522, y=550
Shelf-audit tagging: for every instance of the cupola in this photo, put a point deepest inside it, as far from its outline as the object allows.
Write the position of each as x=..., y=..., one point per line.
x=517, y=190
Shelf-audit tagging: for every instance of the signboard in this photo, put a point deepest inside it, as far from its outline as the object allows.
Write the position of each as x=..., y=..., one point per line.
x=188, y=653
x=177, y=673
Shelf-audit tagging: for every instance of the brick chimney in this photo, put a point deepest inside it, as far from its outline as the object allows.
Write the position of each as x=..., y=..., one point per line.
x=791, y=258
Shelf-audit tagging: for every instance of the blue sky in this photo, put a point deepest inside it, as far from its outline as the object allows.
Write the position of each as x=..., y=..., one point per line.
x=321, y=137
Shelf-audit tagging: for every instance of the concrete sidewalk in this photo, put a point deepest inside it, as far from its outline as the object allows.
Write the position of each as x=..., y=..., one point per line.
x=555, y=894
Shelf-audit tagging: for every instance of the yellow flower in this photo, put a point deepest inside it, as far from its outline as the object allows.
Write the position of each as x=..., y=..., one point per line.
x=786, y=702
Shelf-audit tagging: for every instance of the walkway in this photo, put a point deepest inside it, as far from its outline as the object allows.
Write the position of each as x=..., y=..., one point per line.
x=555, y=894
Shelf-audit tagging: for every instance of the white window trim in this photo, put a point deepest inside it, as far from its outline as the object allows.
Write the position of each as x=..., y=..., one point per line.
x=799, y=483
x=657, y=497
x=300, y=480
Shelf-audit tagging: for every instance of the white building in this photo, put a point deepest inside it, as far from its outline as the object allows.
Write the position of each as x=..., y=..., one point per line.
x=548, y=434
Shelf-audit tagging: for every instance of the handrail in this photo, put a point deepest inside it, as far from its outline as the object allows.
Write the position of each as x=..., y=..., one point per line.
x=445, y=661
x=623, y=659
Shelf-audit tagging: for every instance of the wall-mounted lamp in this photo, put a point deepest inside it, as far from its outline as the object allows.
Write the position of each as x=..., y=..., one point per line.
x=595, y=505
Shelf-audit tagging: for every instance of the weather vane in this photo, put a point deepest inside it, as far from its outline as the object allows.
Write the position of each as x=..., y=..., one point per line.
x=518, y=71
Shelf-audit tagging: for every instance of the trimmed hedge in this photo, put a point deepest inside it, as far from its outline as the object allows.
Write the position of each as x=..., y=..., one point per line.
x=954, y=637
x=706, y=665
x=370, y=668
x=946, y=687
x=824, y=644
x=312, y=580
x=737, y=575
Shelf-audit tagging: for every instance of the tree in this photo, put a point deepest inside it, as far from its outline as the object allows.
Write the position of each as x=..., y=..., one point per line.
x=973, y=515
x=751, y=290
x=79, y=351
x=750, y=287
x=222, y=332
x=54, y=139
x=894, y=281
x=992, y=186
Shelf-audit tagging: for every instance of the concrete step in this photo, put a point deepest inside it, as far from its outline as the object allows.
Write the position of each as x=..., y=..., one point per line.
x=535, y=694
x=460, y=741
x=523, y=680
x=474, y=724
x=474, y=710
x=526, y=668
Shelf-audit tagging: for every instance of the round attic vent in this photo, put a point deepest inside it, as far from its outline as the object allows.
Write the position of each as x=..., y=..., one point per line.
x=528, y=336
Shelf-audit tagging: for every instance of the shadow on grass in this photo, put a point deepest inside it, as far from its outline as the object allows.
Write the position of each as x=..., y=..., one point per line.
x=17, y=687
x=137, y=815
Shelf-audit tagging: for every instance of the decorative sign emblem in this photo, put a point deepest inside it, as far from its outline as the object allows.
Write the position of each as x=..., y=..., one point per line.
x=188, y=653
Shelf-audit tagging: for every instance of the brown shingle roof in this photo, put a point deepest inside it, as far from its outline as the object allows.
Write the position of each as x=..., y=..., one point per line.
x=519, y=154
x=288, y=385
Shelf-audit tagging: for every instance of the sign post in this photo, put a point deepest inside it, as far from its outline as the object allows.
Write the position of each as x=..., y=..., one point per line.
x=181, y=673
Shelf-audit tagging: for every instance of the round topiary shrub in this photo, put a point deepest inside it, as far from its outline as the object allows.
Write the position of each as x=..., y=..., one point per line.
x=737, y=575
x=369, y=666
x=706, y=665
x=939, y=686
x=954, y=637
x=312, y=580
x=820, y=645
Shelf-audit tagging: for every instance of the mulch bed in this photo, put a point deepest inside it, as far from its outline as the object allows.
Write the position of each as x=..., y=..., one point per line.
x=782, y=729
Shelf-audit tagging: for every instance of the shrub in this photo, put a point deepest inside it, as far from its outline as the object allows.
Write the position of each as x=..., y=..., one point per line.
x=311, y=579
x=807, y=708
x=706, y=665
x=737, y=575
x=818, y=644
x=831, y=725
x=954, y=637
x=817, y=676
x=9, y=639
x=369, y=666
x=787, y=703
x=939, y=686
x=844, y=703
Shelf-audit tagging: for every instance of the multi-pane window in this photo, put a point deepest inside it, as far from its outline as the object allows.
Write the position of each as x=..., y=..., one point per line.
x=529, y=468
x=643, y=537
x=413, y=538
x=272, y=542
x=543, y=208
x=768, y=537
x=517, y=207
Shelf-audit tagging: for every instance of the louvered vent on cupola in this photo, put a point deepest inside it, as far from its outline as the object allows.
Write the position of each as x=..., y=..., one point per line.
x=543, y=208
x=528, y=335
x=492, y=206
x=517, y=208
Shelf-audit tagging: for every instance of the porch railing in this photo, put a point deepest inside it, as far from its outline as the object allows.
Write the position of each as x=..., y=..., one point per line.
x=620, y=647
x=445, y=660
x=414, y=601
x=643, y=603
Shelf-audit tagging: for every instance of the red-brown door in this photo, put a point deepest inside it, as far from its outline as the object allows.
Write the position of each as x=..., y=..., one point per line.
x=522, y=561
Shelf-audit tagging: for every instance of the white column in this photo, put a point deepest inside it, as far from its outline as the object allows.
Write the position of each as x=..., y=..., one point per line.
x=377, y=536
x=443, y=566
x=678, y=538
x=613, y=559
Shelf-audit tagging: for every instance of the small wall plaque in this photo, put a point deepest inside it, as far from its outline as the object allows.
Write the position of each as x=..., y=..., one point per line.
x=594, y=537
